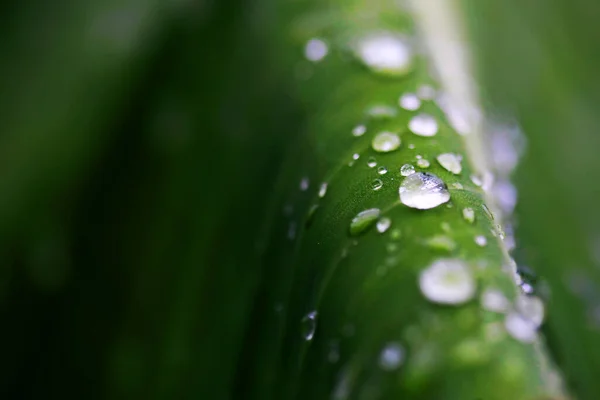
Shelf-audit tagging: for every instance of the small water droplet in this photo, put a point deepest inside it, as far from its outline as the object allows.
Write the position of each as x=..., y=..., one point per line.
x=383, y=224
x=441, y=242
x=423, y=190
x=376, y=184
x=480, y=240
x=391, y=357
x=363, y=221
x=384, y=53
x=385, y=142
x=447, y=281
x=457, y=186
x=426, y=92
x=355, y=156
x=494, y=300
x=411, y=146
x=382, y=170
x=423, y=125
x=407, y=170
x=304, y=183
x=468, y=214
x=371, y=162
x=451, y=162
x=520, y=328
x=531, y=308
x=423, y=163
x=359, y=130
x=476, y=179
x=381, y=111
x=315, y=50
x=323, y=190
x=418, y=156
x=309, y=325
x=409, y=101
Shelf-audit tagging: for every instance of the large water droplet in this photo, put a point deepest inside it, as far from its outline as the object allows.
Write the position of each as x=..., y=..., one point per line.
x=423, y=163
x=447, y=281
x=382, y=170
x=423, y=190
x=494, y=300
x=359, y=130
x=315, y=50
x=363, y=221
x=309, y=325
x=468, y=214
x=423, y=125
x=451, y=162
x=385, y=142
x=304, y=183
x=409, y=101
x=383, y=224
x=391, y=357
x=323, y=190
x=385, y=53
x=407, y=170
x=376, y=184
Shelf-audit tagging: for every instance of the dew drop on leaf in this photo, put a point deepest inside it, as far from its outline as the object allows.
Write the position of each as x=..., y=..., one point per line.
x=423, y=190
x=480, y=240
x=309, y=325
x=494, y=300
x=447, y=281
x=315, y=50
x=376, y=184
x=371, y=162
x=323, y=190
x=531, y=308
x=384, y=53
x=407, y=169
x=426, y=92
x=451, y=162
x=441, y=242
x=391, y=357
x=363, y=221
x=423, y=163
x=409, y=101
x=383, y=224
x=355, y=156
x=382, y=170
x=304, y=183
x=385, y=142
x=468, y=214
x=381, y=111
x=423, y=125
x=520, y=327
x=359, y=130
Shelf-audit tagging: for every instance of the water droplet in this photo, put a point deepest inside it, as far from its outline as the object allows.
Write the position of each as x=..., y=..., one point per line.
x=418, y=156
x=426, y=92
x=494, y=300
x=304, y=183
x=480, y=240
x=381, y=111
x=423, y=163
x=383, y=224
x=323, y=190
x=359, y=130
x=376, y=184
x=309, y=325
x=385, y=142
x=445, y=227
x=457, y=186
x=441, y=242
x=468, y=214
x=423, y=125
x=411, y=146
x=315, y=50
x=363, y=221
x=407, y=170
x=447, y=281
x=395, y=234
x=520, y=328
x=476, y=179
x=451, y=162
x=423, y=190
x=355, y=156
x=409, y=101
x=391, y=357
x=531, y=308
x=385, y=53
x=382, y=170
x=371, y=162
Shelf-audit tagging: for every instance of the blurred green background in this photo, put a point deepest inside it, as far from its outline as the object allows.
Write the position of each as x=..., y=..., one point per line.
x=147, y=148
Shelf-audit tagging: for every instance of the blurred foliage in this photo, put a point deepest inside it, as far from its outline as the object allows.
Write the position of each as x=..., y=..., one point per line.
x=150, y=152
